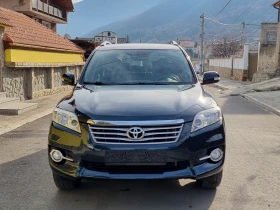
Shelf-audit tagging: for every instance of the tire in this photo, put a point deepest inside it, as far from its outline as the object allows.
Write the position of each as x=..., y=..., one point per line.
x=211, y=182
x=63, y=183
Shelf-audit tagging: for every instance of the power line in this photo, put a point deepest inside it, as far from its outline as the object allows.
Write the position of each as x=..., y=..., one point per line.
x=224, y=24
x=261, y=27
x=246, y=10
x=223, y=8
x=262, y=14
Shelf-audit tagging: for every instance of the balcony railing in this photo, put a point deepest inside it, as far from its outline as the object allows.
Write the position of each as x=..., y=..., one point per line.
x=48, y=9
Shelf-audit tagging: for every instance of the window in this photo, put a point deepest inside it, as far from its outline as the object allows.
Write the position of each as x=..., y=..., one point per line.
x=46, y=24
x=138, y=67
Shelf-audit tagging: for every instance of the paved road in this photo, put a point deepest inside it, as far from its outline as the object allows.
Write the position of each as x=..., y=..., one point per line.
x=251, y=178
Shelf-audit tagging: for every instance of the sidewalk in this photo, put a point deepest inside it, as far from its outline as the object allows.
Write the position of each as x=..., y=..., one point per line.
x=266, y=94
x=45, y=107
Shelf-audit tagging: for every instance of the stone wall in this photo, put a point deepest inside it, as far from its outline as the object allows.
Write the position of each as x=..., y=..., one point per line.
x=268, y=61
x=223, y=71
x=30, y=83
x=13, y=82
x=2, y=54
x=229, y=73
x=232, y=68
x=57, y=76
x=39, y=79
x=240, y=75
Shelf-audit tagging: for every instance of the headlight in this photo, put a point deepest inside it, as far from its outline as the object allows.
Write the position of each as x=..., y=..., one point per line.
x=206, y=118
x=66, y=119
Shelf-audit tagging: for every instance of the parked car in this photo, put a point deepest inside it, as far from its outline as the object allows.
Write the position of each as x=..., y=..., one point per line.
x=138, y=111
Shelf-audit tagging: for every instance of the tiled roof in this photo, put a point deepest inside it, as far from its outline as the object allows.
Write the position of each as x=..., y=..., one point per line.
x=276, y=4
x=27, y=32
x=5, y=21
x=187, y=44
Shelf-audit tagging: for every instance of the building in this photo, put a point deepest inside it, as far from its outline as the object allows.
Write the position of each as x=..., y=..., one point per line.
x=33, y=57
x=88, y=45
x=4, y=23
x=122, y=40
x=190, y=47
x=269, y=50
x=47, y=12
x=186, y=43
x=106, y=36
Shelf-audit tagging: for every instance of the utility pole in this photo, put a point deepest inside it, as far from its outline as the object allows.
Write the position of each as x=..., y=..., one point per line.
x=243, y=34
x=127, y=39
x=202, y=44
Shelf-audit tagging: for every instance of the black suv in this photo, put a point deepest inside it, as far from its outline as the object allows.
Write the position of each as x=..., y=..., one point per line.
x=138, y=111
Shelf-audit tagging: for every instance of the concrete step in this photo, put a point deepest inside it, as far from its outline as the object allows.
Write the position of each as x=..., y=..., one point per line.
x=2, y=94
x=8, y=100
x=16, y=108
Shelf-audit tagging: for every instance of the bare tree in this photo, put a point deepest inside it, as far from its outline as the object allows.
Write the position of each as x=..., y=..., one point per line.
x=225, y=48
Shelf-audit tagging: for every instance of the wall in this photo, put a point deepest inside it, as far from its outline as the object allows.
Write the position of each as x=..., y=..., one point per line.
x=2, y=57
x=14, y=56
x=14, y=5
x=232, y=68
x=30, y=83
x=268, y=56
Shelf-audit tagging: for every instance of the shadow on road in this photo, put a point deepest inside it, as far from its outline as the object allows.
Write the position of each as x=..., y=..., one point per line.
x=137, y=194
x=27, y=183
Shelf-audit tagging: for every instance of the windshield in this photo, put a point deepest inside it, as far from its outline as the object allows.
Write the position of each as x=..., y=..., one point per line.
x=138, y=67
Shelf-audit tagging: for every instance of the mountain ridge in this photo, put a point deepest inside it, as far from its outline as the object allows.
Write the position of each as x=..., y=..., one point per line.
x=171, y=19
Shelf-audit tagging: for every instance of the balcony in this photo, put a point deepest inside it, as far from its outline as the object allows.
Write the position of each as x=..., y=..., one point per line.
x=54, y=11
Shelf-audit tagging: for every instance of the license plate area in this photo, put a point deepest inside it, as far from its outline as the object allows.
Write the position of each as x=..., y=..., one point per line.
x=137, y=157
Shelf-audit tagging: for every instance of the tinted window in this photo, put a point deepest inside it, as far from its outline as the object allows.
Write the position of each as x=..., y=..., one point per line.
x=138, y=66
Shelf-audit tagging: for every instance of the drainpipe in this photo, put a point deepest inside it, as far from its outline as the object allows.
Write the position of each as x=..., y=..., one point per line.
x=232, y=65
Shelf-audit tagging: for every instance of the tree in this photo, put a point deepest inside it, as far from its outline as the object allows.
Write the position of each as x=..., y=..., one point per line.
x=225, y=48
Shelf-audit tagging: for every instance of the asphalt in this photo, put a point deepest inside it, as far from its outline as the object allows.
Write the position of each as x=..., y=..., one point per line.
x=251, y=173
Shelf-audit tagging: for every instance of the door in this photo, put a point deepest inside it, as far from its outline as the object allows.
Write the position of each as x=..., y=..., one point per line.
x=253, y=65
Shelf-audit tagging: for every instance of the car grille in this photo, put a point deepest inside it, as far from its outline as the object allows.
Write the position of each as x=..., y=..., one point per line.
x=154, y=134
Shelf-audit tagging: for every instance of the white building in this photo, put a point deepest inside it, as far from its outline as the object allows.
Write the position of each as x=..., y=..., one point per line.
x=106, y=36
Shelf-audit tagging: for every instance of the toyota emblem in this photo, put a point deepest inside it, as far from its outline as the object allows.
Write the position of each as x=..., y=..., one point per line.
x=135, y=133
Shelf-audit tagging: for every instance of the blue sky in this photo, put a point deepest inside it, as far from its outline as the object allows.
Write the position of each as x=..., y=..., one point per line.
x=91, y=14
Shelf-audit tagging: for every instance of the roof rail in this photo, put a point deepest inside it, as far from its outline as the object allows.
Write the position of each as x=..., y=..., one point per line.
x=105, y=43
x=174, y=43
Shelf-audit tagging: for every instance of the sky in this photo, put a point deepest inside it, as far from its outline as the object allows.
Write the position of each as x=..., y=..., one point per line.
x=91, y=14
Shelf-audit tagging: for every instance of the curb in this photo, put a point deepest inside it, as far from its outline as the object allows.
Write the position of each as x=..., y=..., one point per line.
x=26, y=121
x=261, y=104
x=220, y=87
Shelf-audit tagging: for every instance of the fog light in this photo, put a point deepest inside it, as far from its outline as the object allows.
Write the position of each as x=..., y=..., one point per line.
x=56, y=156
x=216, y=155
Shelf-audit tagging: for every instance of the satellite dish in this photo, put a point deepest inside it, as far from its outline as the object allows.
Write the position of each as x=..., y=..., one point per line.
x=67, y=36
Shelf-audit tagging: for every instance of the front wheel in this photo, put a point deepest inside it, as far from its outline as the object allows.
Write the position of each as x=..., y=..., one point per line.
x=65, y=183
x=211, y=182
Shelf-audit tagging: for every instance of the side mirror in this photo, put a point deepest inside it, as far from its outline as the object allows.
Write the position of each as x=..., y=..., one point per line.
x=210, y=77
x=68, y=79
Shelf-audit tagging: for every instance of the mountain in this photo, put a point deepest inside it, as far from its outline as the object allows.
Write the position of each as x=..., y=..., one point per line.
x=172, y=19
x=95, y=13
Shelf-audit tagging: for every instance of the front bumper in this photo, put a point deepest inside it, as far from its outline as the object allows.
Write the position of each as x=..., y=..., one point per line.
x=89, y=158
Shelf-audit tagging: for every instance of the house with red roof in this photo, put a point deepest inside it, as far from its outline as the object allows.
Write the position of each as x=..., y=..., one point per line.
x=34, y=57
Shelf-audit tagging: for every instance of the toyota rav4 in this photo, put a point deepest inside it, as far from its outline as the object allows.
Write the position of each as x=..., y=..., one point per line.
x=138, y=111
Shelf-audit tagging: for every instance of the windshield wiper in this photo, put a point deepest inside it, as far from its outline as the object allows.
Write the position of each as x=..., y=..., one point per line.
x=95, y=83
x=150, y=83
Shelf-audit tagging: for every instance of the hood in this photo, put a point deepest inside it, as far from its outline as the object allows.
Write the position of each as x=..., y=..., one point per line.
x=137, y=103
